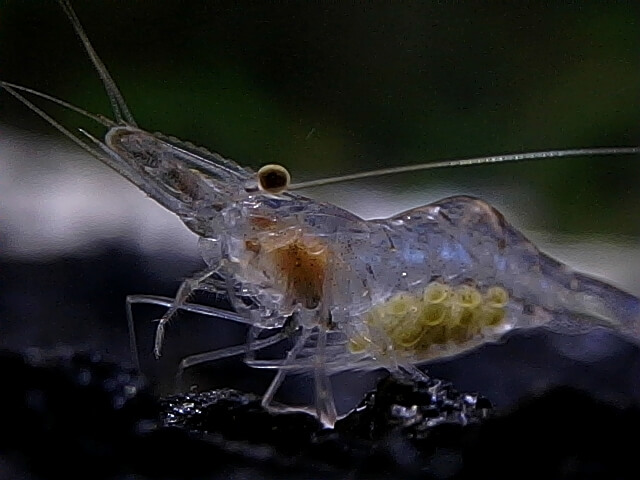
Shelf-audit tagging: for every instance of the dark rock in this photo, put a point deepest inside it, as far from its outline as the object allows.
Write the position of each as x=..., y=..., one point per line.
x=74, y=415
x=564, y=433
x=65, y=411
x=416, y=406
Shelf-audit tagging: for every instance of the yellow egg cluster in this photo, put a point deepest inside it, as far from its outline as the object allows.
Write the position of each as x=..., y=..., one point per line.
x=441, y=314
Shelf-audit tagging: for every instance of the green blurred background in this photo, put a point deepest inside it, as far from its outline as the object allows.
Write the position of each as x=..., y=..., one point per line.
x=335, y=88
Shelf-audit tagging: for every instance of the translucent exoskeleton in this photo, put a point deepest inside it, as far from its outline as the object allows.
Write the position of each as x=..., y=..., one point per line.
x=353, y=294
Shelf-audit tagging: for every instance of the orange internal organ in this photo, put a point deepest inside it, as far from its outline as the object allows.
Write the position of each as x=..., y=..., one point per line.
x=295, y=263
x=303, y=265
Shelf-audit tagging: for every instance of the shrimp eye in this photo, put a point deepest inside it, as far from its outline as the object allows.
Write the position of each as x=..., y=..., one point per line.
x=273, y=178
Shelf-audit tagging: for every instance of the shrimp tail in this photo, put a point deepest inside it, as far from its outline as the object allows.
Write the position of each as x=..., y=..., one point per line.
x=595, y=303
x=471, y=239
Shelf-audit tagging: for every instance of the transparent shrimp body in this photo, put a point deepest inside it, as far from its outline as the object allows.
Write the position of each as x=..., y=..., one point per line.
x=428, y=283
x=431, y=282
x=286, y=254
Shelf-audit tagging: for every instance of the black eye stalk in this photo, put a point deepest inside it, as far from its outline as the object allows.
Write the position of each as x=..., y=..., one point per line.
x=273, y=178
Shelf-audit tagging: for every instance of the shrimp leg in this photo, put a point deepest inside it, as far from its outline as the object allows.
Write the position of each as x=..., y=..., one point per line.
x=325, y=405
x=169, y=302
x=200, y=358
x=187, y=287
x=411, y=372
x=267, y=398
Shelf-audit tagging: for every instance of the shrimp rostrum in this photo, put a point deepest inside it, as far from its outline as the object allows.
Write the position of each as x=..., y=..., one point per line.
x=352, y=294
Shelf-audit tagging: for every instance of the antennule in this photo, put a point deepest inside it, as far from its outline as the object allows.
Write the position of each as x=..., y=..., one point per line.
x=106, y=157
x=52, y=122
x=120, y=110
x=465, y=162
x=96, y=118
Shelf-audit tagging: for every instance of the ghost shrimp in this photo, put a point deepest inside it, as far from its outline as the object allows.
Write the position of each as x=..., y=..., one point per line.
x=352, y=294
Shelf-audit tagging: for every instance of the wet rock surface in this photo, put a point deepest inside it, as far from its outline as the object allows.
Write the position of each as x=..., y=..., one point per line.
x=74, y=415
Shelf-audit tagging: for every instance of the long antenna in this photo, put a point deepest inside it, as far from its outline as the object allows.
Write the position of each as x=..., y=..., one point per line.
x=120, y=110
x=465, y=162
